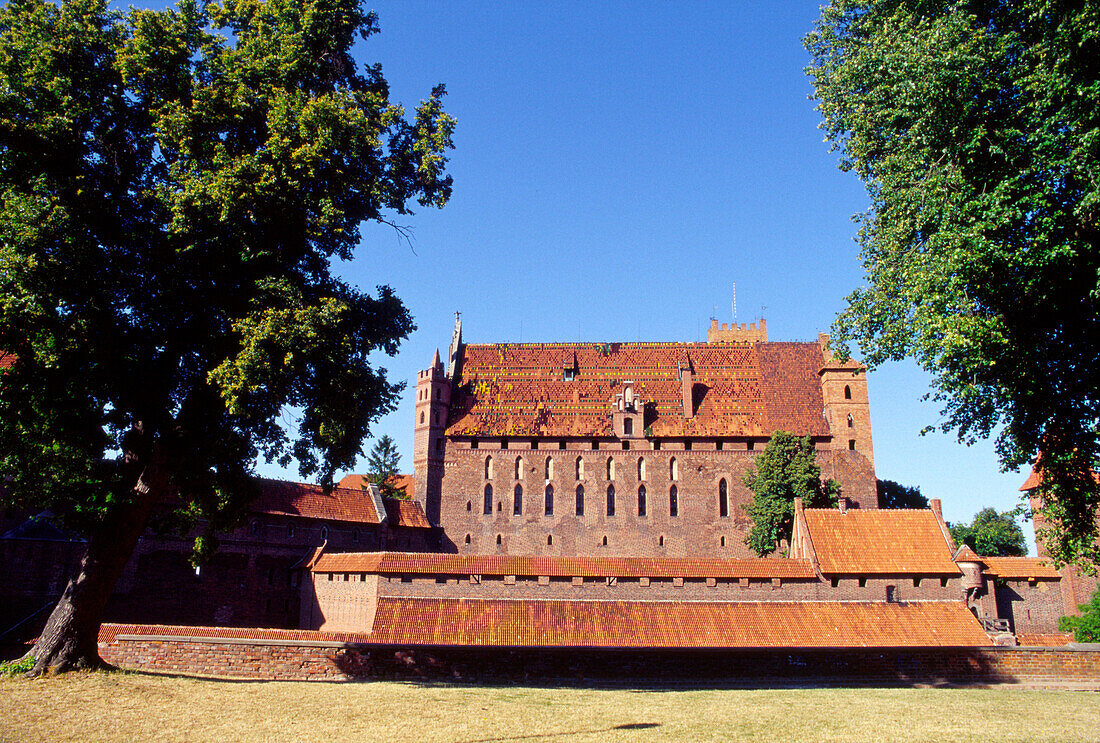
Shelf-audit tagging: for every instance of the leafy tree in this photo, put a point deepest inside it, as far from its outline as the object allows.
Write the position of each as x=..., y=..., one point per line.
x=1085, y=628
x=175, y=185
x=382, y=466
x=785, y=470
x=896, y=495
x=974, y=125
x=991, y=533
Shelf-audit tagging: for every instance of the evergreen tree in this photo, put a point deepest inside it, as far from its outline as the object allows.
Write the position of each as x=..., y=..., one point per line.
x=382, y=467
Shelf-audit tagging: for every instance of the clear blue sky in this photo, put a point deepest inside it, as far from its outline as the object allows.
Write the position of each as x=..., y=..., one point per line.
x=617, y=167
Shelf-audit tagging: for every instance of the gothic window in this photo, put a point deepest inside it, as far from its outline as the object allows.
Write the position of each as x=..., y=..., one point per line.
x=421, y=416
x=852, y=444
x=641, y=500
x=549, y=540
x=723, y=499
x=847, y=392
x=467, y=539
x=580, y=500
x=673, y=469
x=610, y=468
x=517, y=501
x=610, y=500
x=488, y=468
x=851, y=421
x=580, y=468
x=469, y=506
x=488, y=500
x=549, y=500
x=628, y=427
x=498, y=540
x=641, y=468
x=519, y=468
x=549, y=468
x=324, y=533
x=673, y=502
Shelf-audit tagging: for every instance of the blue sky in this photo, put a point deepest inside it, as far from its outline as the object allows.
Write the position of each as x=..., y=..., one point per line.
x=617, y=167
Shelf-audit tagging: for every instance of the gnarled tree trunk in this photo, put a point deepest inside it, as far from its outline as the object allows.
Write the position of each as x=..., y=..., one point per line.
x=69, y=640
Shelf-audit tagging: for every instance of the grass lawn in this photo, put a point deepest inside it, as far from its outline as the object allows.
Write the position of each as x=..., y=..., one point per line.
x=132, y=706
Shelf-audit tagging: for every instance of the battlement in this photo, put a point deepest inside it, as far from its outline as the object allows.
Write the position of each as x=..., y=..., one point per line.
x=737, y=332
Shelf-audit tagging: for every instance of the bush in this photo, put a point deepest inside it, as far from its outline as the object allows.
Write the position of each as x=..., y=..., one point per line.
x=1085, y=628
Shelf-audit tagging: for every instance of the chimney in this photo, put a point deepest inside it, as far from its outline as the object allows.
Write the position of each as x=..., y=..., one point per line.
x=842, y=504
x=685, y=389
x=937, y=509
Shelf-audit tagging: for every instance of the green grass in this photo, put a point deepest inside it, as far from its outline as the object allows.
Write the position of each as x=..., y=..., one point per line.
x=131, y=706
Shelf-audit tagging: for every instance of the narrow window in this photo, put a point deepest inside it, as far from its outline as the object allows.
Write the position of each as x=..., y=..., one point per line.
x=467, y=539
x=610, y=468
x=722, y=542
x=534, y=445
x=254, y=527
x=750, y=445
x=718, y=445
x=641, y=468
x=661, y=541
x=324, y=533
x=595, y=446
x=421, y=416
x=473, y=443
x=290, y=530
x=517, y=501
x=656, y=445
x=549, y=468
x=610, y=500
x=687, y=446
x=561, y=444
x=673, y=502
x=355, y=535
x=847, y=392
x=439, y=444
x=851, y=444
x=626, y=446
x=641, y=500
x=437, y=391
x=605, y=541
x=580, y=468
x=488, y=500
x=580, y=500
x=469, y=506
x=851, y=421
x=549, y=540
x=628, y=427
x=723, y=499
x=504, y=443
x=498, y=540
x=673, y=469
x=489, y=468
x=862, y=582
x=549, y=500
x=519, y=468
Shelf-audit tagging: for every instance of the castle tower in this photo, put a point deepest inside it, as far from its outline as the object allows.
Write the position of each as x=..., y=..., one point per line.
x=433, y=400
x=847, y=410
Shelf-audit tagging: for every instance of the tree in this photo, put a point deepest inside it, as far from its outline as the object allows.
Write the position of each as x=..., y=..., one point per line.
x=382, y=466
x=1085, y=628
x=785, y=470
x=175, y=186
x=896, y=495
x=974, y=125
x=992, y=534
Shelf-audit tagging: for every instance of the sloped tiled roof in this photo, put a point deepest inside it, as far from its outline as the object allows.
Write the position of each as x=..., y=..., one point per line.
x=668, y=624
x=310, y=501
x=965, y=554
x=588, y=567
x=1019, y=568
x=740, y=389
x=405, y=513
x=873, y=541
x=406, y=483
x=7, y=360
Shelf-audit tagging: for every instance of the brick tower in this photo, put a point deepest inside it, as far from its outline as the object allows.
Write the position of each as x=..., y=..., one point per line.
x=433, y=400
x=847, y=410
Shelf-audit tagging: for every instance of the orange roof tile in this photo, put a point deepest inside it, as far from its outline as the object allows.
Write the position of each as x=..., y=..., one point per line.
x=309, y=501
x=740, y=389
x=1048, y=640
x=405, y=513
x=108, y=633
x=406, y=483
x=667, y=624
x=1035, y=478
x=1019, y=568
x=588, y=567
x=879, y=542
x=965, y=554
x=7, y=360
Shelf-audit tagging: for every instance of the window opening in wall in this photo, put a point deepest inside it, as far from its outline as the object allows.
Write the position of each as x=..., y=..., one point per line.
x=517, y=501
x=549, y=500
x=862, y=582
x=722, y=542
x=473, y=443
x=628, y=427
x=549, y=469
x=488, y=500
x=673, y=502
x=851, y=421
x=595, y=446
x=750, y=445
x=641, y=500
x=519, y=468
x=254, y=527
x=610, y=500
x=605, y=541
x=687, y=446
x=437, y=393
x=580, y=468
x=847, y=392
x=626, y=446
x=580, y=500
x=549, y=540
x=498, y=540
x=641, y=468
x=561, y=444
x=324, y=533
x=469, y=506
x=421, y=416
x=943, y=582
x=723, y=499
x=355, y=535
x=891, y=594
x=851, y=444
x=569, y=374
x=489, y=468
x=835, y=582
x=718, y=444
x=467, y=539
x=661, y=541
x=290, y=530
x=916, y=583
x=534, y=444
x=504, y=443
x=610, y=468
x=673, y=469
x=656, y=445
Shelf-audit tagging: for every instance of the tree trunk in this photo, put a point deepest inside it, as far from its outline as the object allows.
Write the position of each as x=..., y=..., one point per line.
x=70, y=639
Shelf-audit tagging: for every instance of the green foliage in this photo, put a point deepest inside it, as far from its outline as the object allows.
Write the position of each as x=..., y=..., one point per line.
x=382, y=465
x=992, y=534
x=16, y=667
x=175, y=185
x=1085, y=628
x=975, y=127
x=785, y=470
x=896, y=495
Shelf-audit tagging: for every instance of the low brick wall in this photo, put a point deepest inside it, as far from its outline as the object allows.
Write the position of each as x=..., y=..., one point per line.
x=307, y=655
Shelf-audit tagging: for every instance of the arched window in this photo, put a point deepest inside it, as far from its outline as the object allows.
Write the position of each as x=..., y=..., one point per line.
x=661, y=541
x=517, y=501
x=421, y=416
x=355, y=535
x=610, y=500
x=324, y=533
x=580, y=500
x=549, y=540
x=580, y=468
x=605, y=541
x=467, y=539
x=628, y=427
x=489, y=468
x=519, y=468
x=549, y=500
x=723, y=498
x=469, y=506
x=673, y=501
x=610, y=468
x=488, y=499
x=673, y=469
x=847, y=392
x=641, y=500
x=851, y=421
x=549, y=468
x=498, y=540
x=641, y=468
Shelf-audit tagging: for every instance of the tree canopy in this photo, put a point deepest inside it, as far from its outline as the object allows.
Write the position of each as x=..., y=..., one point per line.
x=1085, y=628
x=992, y=534
x=785, y=470
x=895, y=495
x=382, y=466
x=975, y=126
x=175, y=187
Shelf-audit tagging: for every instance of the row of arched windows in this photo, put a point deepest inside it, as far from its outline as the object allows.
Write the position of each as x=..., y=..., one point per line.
x=643, y=505
x=610, y=468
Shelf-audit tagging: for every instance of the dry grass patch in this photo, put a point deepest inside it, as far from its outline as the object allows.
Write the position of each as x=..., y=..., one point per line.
x=129, y=706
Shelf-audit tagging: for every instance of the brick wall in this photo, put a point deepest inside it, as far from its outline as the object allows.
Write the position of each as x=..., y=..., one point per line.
x=303, y=655
x=1030, y=607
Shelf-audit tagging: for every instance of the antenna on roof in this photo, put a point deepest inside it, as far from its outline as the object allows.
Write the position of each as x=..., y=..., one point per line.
x=735, y=302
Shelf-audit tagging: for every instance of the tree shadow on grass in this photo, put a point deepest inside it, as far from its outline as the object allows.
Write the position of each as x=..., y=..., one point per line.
x=567, y=733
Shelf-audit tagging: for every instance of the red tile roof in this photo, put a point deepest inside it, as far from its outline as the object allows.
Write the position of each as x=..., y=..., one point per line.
x=1019, y=568
x=667, y=624
x=589, y=567
x=309, y=501
x=405, y=513
x=1049, y=640
x=866, y=542
x=741, y=389
x=406, y=483
x=108, y=633
x=7, y=360
x=1035, y=478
